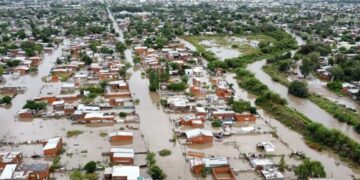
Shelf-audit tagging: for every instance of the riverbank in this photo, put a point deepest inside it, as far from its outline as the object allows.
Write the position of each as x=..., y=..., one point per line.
x=341, y=113
x=272, y=103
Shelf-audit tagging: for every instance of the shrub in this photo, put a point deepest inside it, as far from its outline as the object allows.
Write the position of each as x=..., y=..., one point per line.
x=299, y=89
x=90, y=167
x=33, y=105
x=73, y=133
x=216, y=123
x=6, y=100
x=123, y=114
x=156, y=173
x=165, y=152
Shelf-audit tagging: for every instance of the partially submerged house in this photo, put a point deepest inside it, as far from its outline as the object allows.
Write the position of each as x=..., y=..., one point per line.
x=52, y=146
x=121, y=136
x=122, y=173
x=122, y=156
x=199, y=136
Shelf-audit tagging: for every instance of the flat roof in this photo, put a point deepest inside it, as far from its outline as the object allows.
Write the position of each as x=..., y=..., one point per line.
x=130, y=172
x=52, y=143
x=8, y=171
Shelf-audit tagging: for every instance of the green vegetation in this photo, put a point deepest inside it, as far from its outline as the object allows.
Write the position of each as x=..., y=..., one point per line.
x=275, y=75
x=282, y=164
x=216, y=123
x=56, y=163
x=154, y=81
x=165, y=152
x=339, y=112
x=177, y=86
x=310, y=169
x=78, y=175
x=299, y=89
x=120, y=47
x=334, y=86
x=5, y=100
x=155, y=171
x=150, y=158
x=86, y=59
x=90, y=167
x=242, y=106
x=73, y=133
x=33, y=105
x=123, y=114
x=136, y=59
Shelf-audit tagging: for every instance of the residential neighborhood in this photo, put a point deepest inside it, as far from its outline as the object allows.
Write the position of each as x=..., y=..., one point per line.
x=180, y=89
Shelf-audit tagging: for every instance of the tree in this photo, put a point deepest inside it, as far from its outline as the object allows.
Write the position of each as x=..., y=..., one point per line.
x=33, y=105
x=76, y=175
x=154, y=81
x=90, y=167
x=156, y=173
x=120, y=47
x=299, y=89
x=6, y=100
x=136, y=59
x=310, y=169
x=337, y=72
x=150, y=158
x=282, y=164
x=86, y=59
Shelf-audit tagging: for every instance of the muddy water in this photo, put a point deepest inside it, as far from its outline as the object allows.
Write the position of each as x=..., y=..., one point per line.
x=304, y=106
x=154, y=123
x=295, y=140
x=156, y=127
x=33, y=83
x=318, y=86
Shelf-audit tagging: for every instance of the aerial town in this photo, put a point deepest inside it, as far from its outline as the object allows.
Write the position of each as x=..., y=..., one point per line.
x=179, y=89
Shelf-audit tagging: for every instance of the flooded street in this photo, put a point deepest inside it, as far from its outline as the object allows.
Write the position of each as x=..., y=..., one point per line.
x=33, y=84
x=156, y=126
x=295, y=140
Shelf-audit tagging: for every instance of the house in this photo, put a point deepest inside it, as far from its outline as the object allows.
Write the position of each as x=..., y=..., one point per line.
x=222, y=114
x=216, y=162
x=38, y=171
x=197, y=165
x=122, y=156
x=267, y=146
x=223, y=173
x=192, y=121
x=52, y=146
x=199, y=136
x=120, y=136
x=245, y=117
x=25, y=114
x=97, y=117
x=122, y=173
x=67, y=87
x=178, y=102
x=260, y=164
x=200, y=111
x=10, y=158
x=118, y=85
x=58, y=105
x=272, y=174
x=8, y=172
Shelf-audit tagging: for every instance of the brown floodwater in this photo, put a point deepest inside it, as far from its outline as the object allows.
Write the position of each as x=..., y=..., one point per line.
x=332, y=164
x=33, y=84
x=304, y=106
